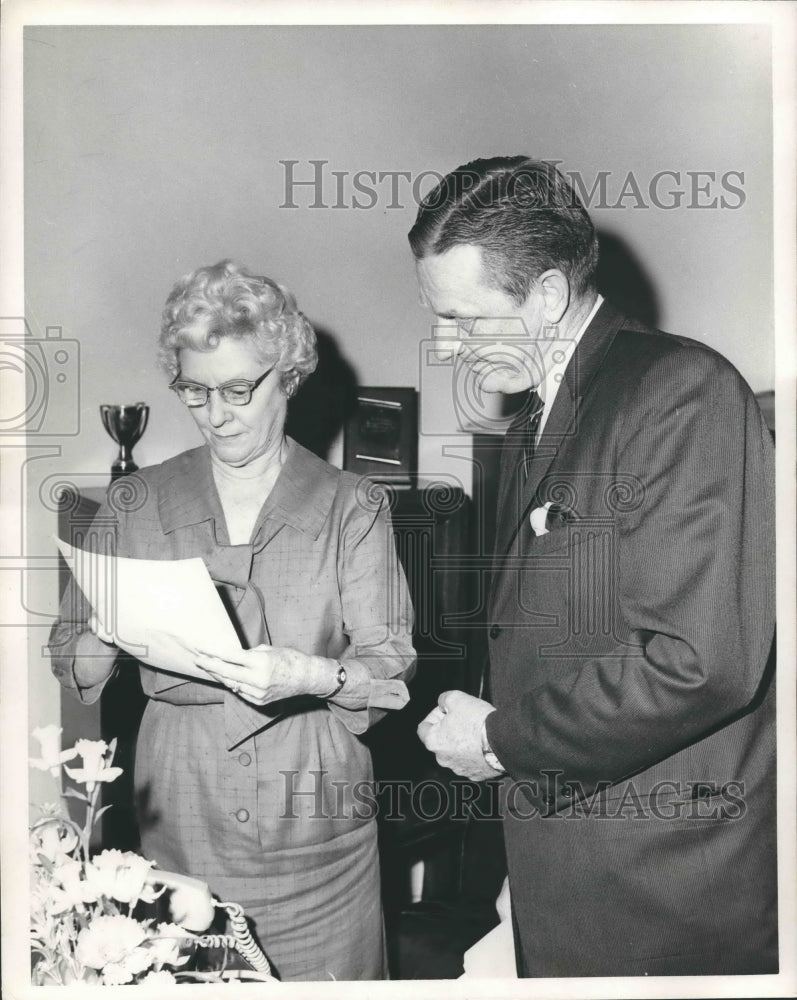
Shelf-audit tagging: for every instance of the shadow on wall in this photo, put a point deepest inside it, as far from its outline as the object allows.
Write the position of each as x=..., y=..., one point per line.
x=623, y=282
x=325, y=401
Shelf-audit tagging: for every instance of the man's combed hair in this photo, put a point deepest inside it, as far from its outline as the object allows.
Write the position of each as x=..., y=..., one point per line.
x=522, y=213
x=226, y=300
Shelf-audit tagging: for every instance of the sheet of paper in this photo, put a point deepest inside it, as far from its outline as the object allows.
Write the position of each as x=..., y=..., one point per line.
x=143, y=599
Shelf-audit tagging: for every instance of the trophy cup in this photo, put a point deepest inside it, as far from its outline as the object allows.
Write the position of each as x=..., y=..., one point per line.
x=125, y=424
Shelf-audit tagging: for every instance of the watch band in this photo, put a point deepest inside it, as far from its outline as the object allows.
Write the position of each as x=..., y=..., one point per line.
x=488, y=753
x=340, y=680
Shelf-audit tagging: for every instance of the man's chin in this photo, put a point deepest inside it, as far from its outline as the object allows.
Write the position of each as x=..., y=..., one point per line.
x=505, y=381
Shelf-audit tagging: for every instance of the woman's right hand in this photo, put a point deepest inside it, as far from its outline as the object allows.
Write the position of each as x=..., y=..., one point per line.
x=157, y=649
x=95, y=655
x=96, y=626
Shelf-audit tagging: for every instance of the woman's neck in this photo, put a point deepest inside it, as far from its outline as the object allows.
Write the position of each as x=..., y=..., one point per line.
x=243, y=490
x=260, y=469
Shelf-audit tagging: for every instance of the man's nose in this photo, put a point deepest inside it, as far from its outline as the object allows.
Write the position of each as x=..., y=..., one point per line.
x=447, y=341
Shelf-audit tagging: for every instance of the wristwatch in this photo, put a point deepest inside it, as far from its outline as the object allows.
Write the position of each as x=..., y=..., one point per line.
x=488, y=752
x=340, y=680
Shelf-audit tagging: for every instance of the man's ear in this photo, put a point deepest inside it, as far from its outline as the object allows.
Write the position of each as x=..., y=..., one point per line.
x=555, y=289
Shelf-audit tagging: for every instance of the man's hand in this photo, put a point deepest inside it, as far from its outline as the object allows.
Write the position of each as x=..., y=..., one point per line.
x=453, y=732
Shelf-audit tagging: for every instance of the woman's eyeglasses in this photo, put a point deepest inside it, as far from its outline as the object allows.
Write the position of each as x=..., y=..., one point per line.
x=236, y=392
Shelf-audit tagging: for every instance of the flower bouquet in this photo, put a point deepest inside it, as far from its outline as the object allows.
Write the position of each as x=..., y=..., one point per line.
x=86, y=911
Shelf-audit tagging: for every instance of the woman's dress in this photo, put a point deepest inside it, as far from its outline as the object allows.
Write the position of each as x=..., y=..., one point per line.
x=273, y=807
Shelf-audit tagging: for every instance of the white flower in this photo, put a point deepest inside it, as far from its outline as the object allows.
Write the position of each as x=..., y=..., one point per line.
x=118, y=973
x=113, y=944
x=74, y=892
x=118, y=875
x=54, y=839
x=58, y=902
x=52, y=756
x=166, y=945
x=160, y=978
x=94, y=764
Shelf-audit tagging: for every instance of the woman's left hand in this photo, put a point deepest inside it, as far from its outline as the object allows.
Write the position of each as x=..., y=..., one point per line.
x=268, y=673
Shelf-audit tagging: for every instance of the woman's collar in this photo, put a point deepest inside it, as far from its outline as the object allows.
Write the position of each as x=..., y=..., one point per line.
x=302, y=495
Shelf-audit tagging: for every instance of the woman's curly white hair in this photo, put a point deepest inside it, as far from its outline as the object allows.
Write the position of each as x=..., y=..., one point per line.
x=226, y=300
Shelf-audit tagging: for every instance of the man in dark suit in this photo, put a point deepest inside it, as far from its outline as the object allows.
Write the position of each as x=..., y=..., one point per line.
x=631, y=605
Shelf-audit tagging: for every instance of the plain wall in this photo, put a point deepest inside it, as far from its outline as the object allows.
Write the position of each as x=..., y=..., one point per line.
x=150, y=151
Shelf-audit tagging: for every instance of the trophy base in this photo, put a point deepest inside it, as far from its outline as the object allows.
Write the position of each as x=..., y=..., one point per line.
x=119, y=469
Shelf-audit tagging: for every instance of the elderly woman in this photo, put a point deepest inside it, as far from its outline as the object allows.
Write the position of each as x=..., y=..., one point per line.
x=251, y=775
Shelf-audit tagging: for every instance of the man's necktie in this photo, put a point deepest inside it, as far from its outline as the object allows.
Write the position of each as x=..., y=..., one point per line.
x=529, y=433
x=524, y=435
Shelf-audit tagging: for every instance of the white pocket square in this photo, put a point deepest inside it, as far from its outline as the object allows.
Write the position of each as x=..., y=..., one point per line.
x=550, y=515
x=537, y=519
